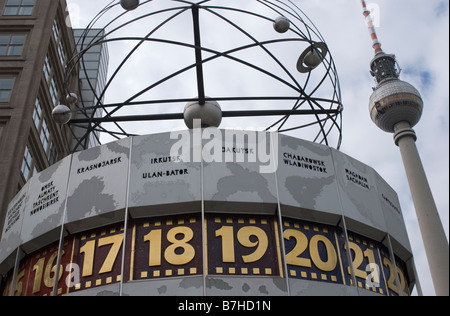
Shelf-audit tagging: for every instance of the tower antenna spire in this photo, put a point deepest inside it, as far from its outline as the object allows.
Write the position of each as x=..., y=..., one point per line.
x=383, y=66
x=373, y=33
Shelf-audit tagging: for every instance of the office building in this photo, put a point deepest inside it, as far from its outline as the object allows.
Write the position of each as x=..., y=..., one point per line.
x=36, y=46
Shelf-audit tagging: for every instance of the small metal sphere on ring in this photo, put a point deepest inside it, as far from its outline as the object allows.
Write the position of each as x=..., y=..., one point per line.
x=129, y=4
x=61, y=114
x=281, y=24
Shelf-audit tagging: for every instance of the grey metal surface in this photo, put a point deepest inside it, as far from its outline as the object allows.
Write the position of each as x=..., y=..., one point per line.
x=149, y=176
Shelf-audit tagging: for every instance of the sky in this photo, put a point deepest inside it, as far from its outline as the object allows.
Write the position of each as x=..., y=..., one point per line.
x=417, y=32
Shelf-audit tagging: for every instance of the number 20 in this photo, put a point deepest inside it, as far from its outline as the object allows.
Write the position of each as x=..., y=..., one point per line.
x=293, y=257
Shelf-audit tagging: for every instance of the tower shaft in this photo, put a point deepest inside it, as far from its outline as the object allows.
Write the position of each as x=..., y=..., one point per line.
x=433, y=234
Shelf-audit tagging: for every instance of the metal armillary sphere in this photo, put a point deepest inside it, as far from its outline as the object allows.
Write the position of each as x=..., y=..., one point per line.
x=259, y=63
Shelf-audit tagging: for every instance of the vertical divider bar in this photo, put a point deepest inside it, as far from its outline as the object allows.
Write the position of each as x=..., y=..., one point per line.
x=280, y=219
x=392, y=255
x=12, y=288
x=62, y=235
x=125, y=224
x=344, y=227
x=349, y=256
x=204, y=237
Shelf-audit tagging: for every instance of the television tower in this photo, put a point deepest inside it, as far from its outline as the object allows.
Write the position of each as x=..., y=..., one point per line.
x=396, y=107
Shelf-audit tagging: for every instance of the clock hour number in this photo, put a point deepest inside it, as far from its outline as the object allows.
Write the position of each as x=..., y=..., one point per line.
x=244, y=237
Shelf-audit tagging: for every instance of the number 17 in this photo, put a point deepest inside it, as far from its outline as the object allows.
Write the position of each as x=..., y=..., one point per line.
x=89, y=252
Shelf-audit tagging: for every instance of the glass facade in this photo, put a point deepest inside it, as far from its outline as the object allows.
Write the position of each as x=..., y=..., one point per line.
x=93, y=76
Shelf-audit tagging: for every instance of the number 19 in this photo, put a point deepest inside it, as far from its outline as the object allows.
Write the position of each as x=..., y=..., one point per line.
x=243, y=237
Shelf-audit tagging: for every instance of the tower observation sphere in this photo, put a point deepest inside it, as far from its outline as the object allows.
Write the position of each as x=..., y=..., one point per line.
x=395, y=101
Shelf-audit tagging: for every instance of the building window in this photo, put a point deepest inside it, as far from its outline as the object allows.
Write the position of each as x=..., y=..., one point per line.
x=19, y=7
x=59, y=42
x=37, y=115
x=45, y=135
x=27, y=164
x=11, y=45
x=56, y=30
x=47, y=69
x=53, y=91
x=62, y=53
x=6, y=85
